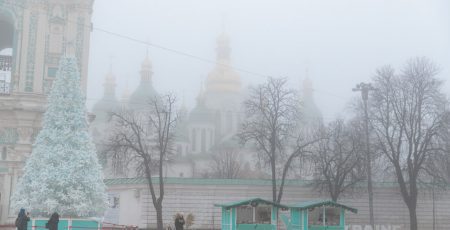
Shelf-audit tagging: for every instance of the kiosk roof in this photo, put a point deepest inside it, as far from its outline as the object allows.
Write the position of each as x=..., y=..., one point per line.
x=249, y=201
x=313, y=204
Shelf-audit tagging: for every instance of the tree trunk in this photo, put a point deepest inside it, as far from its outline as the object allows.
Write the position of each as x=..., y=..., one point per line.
x=334, y=198
x=159, y=218
x=334, y=195
x=412, y=217
x=272, y=164
x=274, y=183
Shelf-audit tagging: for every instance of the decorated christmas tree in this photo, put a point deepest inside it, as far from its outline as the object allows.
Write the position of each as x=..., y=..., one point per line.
x=63, y=173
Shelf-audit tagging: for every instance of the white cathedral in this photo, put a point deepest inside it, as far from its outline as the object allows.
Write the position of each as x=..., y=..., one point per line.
x=208, y=128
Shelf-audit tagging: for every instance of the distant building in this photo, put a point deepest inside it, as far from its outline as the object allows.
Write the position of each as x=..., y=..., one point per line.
x=144, y=93
x=311, y=114
x=106, y=104
x=209, y=127
x=33, y=36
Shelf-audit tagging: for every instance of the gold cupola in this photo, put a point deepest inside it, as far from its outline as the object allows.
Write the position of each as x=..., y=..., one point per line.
x=223, y=79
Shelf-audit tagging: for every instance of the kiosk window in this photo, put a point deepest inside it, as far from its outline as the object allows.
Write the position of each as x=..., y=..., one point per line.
x=332, y=216
x=244, y=215
x=315, y=216
x=263, y=214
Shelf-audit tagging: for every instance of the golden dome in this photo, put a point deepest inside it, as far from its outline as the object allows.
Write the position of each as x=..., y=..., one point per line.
x=223, y=78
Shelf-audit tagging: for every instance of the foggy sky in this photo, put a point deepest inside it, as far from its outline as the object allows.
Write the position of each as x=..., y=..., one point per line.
x=341, y=43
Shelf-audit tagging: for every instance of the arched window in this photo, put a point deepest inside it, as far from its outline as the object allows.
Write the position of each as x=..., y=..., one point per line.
x=4, y=152
x=203, y=140
x=229, y=121
x=6, y=52
x=194, y=140
x=211, y=138
x=218, y=123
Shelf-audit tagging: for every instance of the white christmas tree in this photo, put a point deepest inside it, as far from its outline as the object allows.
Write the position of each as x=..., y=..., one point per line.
x=63, y=173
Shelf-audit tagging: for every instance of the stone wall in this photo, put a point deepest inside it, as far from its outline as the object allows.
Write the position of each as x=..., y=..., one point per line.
x=198, y=196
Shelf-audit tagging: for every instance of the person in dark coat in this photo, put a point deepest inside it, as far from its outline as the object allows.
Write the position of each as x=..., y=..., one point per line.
x=22, y=220
x=52, y=223
x=179, y=222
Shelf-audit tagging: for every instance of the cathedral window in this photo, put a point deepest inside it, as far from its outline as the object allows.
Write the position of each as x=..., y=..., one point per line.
x=211, y=138
x=203, y=140
x=51, y=72
x=194, y=139
x=7, y=34
x=5, y=71
x=56, y=39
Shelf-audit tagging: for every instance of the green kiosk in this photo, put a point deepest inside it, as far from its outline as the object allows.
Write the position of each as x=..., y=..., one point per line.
x=259, y=214
x=318, y=215
x=250, y=214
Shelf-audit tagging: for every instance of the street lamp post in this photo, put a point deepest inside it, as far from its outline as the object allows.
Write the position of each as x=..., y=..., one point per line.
x=364, y=88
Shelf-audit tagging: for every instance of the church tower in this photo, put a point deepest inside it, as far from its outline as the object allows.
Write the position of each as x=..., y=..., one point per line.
x=33, y=36
x=145, y=92
x=223, y=92
x=107, y=104
x=311, y=114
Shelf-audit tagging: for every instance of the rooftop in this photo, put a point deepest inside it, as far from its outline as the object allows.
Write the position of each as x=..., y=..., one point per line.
x=314, y=204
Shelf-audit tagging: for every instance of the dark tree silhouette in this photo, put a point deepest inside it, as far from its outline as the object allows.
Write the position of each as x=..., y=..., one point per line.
x=409, y=111
x=338, y=158
x=143, y=140
x=271, y=126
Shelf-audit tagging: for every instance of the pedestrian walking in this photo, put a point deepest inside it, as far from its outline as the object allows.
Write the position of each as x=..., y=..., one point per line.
x=22, y=220
x=52, y=223
x=179, y=221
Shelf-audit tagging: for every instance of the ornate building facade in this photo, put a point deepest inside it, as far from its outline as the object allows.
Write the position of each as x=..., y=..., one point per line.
x=34, y=34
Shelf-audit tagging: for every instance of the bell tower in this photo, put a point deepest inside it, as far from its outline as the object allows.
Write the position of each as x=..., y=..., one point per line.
x=34, y=34
x=38, y=33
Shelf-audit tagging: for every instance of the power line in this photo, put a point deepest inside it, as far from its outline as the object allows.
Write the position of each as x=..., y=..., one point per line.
x=182, y=53
x=178, y=52
x=175, y=51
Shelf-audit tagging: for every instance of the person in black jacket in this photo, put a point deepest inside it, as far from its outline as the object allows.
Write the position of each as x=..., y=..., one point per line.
x=22, y=220
x=179, y=222
x=52, y=223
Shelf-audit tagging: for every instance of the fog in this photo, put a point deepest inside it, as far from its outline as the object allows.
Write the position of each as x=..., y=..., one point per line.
x=339, y=43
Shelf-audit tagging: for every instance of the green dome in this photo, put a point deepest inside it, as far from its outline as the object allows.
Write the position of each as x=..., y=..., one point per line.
x=103, y=107
x=143, y=95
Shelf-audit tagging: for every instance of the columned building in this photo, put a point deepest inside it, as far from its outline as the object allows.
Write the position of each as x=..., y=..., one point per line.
x=223, y=93
x=33, y=36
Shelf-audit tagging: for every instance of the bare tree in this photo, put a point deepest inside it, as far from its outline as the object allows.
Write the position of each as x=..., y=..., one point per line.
x=143, y=139
x=439, y=166
x=338, y=159
x=226, y=164
x=409, y=112
x=272, y=116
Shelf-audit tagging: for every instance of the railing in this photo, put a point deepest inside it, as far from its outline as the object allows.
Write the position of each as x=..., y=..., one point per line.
x=7, y=227
x=72, y=225
x=5, y=74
